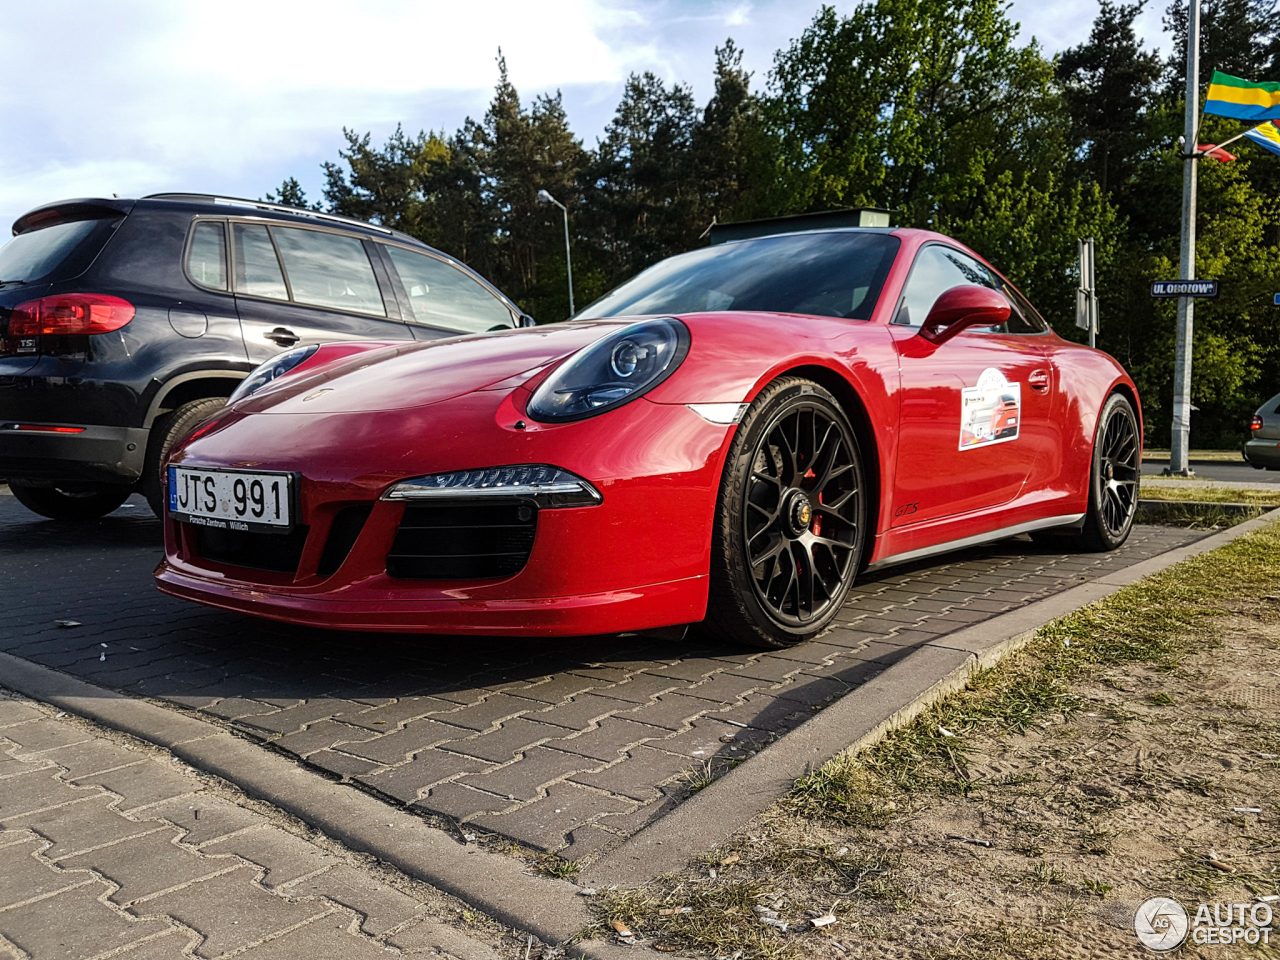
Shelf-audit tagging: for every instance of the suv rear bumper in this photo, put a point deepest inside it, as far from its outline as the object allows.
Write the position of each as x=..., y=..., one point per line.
x=100, y=454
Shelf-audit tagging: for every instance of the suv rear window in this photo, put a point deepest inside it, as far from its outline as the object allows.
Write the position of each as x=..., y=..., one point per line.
x=37, y=254
x=443, y=296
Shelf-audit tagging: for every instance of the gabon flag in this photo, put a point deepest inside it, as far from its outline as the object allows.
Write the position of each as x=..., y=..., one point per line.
x=1266, y=135
x=1242, y=99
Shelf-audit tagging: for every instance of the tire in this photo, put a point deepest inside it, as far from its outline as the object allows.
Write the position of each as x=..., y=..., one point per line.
x=793, y=469
x=81, y=501
x=165, y=433
x=1113, y=484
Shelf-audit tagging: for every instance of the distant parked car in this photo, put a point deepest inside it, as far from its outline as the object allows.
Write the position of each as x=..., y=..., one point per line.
x=125, y=323
x=1262, y=449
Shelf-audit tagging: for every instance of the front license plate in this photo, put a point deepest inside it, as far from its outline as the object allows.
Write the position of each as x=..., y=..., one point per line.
x=232, y=499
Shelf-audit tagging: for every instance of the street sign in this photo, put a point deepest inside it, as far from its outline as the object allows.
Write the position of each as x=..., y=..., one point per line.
x=1184, y=288
x=1277, y=300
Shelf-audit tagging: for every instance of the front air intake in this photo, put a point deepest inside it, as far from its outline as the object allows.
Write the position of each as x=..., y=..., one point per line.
x=463, y=541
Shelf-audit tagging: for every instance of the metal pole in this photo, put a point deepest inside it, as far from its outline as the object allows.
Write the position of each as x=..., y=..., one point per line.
x=1181, y=440
x=568, y=258
x=1093, y=294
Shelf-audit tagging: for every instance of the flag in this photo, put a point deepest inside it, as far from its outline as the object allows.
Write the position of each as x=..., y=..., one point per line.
x=1232, y=97
x=1266, y=135
x=1211, y=152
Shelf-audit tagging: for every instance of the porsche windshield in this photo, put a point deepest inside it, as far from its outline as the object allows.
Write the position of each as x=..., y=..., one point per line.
x=832, y=274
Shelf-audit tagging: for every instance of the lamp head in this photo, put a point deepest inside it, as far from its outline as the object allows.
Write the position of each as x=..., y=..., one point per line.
x=544, y=197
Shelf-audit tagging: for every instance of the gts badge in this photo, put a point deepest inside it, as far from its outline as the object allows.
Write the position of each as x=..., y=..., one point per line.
x=907, y=509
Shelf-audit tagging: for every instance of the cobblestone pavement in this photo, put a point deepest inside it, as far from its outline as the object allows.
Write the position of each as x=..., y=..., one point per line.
x=113, y=848
x=562, y=745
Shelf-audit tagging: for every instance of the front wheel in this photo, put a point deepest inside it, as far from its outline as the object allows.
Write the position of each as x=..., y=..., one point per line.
x=165, y=433
x=790, y=520
x=81, y=501
x=1113, y=481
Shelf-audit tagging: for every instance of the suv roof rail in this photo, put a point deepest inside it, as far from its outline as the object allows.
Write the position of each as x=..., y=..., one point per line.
x=275, y=207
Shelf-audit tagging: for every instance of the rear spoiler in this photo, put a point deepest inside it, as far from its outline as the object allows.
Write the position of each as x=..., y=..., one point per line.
x=65, y=211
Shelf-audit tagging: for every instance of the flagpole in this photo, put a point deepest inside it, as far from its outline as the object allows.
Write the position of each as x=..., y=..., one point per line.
x=1219, y=146
x=1181, y=434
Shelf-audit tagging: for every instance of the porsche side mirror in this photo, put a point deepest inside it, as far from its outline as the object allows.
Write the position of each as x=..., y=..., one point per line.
x=962, y=307
x=527, y=321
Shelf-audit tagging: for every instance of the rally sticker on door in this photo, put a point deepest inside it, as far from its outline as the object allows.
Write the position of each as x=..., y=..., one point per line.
x=989, y=412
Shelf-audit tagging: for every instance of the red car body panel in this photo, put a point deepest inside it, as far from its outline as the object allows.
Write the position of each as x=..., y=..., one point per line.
x=352, y=424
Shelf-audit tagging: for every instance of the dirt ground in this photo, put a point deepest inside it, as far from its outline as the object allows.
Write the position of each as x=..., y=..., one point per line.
x=1072, y=793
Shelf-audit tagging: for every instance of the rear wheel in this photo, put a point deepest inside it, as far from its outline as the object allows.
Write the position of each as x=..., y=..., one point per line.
x=80, y=501
x=1113, y=482
x=165, y=433
x=790, y=519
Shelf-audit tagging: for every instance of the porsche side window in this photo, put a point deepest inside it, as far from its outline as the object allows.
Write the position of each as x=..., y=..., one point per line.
x=207, y=256
x=1024, y=318
x=257, y=269
x=441, y=295
x=329, y=270
x=937, y=269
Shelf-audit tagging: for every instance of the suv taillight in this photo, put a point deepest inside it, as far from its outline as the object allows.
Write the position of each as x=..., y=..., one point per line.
x=69, y=314
x=1257, y=423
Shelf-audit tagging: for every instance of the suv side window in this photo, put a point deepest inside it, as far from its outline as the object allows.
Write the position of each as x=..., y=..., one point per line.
x=441, y=295
x=258, y=271
x=207, y=255
x=329, y=270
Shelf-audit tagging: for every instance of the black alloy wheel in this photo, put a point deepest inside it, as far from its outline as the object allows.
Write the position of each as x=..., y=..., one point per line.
x=790, y=519
x=1113, y=483
x=72, y=501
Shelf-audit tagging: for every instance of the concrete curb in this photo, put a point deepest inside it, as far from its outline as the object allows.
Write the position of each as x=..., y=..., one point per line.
x=857, y=721
x=550, y=909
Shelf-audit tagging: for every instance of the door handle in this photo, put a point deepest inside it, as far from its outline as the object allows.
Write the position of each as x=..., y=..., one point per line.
x=1039, y=380
x=282, y=336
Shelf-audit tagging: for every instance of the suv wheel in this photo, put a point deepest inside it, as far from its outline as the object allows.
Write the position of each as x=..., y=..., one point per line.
x=166, y=432
x=81, y=501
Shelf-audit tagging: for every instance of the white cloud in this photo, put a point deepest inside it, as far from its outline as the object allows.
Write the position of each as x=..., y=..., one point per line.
x=138, y=96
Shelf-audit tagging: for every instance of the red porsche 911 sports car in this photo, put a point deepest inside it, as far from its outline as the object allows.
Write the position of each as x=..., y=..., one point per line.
x=729, y=439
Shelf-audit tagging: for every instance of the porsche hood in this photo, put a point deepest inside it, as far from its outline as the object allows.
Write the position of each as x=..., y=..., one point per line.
x=401, y=377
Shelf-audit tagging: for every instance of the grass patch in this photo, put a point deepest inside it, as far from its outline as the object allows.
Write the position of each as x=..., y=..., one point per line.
x=1152, y=622
x=1257, y=498
x=1198, y=516
x=553, y=866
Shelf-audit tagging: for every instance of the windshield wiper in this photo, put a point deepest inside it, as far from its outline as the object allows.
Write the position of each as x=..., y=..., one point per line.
x=6, y=283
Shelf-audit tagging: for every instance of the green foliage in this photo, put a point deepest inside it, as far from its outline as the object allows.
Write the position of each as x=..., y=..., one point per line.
x=930, y=108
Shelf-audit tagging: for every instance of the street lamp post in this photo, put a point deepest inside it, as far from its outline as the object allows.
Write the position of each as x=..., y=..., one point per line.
x=544, y=197
x=1181, y=438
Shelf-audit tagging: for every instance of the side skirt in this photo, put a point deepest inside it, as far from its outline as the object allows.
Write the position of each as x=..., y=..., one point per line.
x=1045, y=523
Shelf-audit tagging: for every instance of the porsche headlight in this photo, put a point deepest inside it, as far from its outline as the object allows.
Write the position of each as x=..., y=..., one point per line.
x=275, y=367
x=616, y=368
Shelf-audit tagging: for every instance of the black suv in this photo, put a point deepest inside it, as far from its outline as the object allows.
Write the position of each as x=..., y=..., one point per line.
x=124, y=323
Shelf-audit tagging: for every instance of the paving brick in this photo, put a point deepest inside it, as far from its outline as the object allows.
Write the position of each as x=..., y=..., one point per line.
x=390, y=716
x=460, y=802
x=382, y=906
x=16, y=711
x=92, y=756
x=235, y=708
x=24, y=877
x=322, y=735
x=295, y=718
x=811, y=691
x=396, y=746
x=483, y=715
x=609, y=739
x=169, y=947
x=78, y=826
x=671, y=711
x=643, y=687
x=637, y=775
x=515, y=736
x=557, y=688
x=427, y=938
x=148, y=864
x=581, y=711
x=74, y=925
x=522, y=779
x=284, y=856
x=341, y=764
x=406, y=782
x=203, y=817
x=321, y=939
x=771, y=669
x=231, y=911
x=143, y=783
x=546, y=823
x=691, y=669
x=765, y=713
x=700, y=742
x=45, y=733
x=587, y=840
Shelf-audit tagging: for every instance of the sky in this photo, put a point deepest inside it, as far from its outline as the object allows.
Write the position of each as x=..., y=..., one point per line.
x=143, y=96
